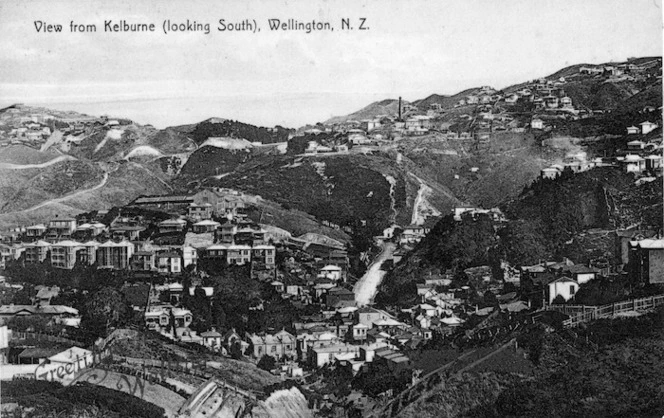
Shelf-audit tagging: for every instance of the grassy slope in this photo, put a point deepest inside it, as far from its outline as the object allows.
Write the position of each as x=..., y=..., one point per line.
x=38, y=185
x=20, y=154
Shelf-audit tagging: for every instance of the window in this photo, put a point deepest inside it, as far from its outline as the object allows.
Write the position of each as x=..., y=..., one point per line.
x=572, y=289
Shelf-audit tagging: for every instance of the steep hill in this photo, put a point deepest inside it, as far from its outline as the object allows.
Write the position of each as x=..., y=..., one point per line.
x=585, y=90
x=388, y=107
x=444, y=100
x=549, y=219
x=227, y=128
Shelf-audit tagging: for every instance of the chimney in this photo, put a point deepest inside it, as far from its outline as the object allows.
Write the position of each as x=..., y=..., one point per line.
x=399, y=107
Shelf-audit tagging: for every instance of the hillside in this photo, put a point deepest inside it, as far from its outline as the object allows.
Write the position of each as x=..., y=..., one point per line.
x=610, y=377
x=336, y=190
x=234, y=129
x=587, y=91
x=79, y=151
x=446, y=101
x=388, y=107
x=548, y=220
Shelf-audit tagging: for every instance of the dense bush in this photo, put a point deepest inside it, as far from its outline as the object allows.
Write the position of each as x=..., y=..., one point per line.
x=48, y=397
x=233, y=129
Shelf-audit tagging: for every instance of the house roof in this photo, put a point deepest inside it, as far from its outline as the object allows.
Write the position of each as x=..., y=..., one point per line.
x=649, y=244
x=454, y=320
x=169, y=255
x=579, y=269
x=341, y=291
x=207, y=222
x=122, y=243
x=563, y=280
x=211, y=334
x=35, y=310
x=544, y=279
x=70, y=354
x=116, y=228
x=177, y=222
x=37, y=352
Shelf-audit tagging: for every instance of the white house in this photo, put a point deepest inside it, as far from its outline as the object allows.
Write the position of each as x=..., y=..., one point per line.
x=550, y=173
x=563, y=286
x=634, y=163
x=330, y=271
x=631, y=130
x=537, y=123
x=647, y=127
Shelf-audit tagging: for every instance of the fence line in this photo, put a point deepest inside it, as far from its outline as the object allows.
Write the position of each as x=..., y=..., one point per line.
x=583, y=313
x=201, y=370
x=24, y=335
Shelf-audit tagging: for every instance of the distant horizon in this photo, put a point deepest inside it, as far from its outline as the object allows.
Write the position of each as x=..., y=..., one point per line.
x=292, y=77
x=180, y=110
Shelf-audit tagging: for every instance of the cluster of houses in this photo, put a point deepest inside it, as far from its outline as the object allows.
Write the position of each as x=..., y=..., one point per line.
x=356, y=337
x=639, y=254
x=136, y=243
x=627, y=71
x=29, y=126
x=640, y=156
x=121, y=245
x=490, y=112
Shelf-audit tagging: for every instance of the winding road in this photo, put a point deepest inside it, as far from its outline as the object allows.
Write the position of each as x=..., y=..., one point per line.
x=366, y=288
x=9, y=166
x=67, y=197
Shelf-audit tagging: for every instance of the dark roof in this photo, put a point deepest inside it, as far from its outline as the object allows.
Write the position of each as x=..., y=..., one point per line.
x=340, y=291
x=579, y=269
x=39, y=352
x=162, y=199
x=543, y=279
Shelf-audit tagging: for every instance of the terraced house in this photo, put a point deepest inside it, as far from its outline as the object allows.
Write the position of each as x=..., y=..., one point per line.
x=276, y=345
x=115, y=255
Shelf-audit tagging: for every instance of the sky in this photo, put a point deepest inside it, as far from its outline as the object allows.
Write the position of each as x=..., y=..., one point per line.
x=411, y=49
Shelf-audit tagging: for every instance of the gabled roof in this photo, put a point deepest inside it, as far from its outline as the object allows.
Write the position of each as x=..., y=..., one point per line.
x=563, y=280
x=38, y=352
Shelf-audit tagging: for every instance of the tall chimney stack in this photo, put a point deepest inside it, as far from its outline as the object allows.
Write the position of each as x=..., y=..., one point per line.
x=399, y=107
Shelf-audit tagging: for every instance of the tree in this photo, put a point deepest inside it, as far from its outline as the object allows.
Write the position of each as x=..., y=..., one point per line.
x=559, y=300
x=236, y=350
x=267, y=363
x=105, y=309
x=522, y=243
x=490, y=298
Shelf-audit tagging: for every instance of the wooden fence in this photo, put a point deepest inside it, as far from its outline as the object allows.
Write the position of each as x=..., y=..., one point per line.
x=583, y=313
x=201, y=370
x=21, y=335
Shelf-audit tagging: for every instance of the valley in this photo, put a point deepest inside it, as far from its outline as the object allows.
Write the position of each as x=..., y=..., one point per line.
x=444, y=254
